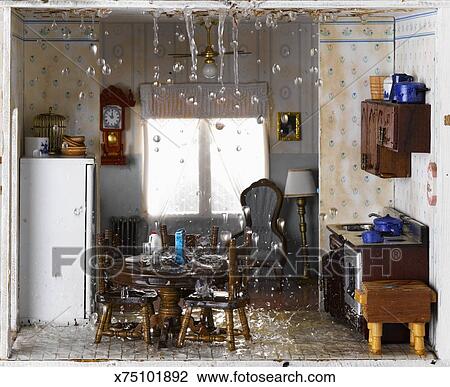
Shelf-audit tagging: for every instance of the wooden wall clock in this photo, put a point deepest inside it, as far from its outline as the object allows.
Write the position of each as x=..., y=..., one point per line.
x=113, y=102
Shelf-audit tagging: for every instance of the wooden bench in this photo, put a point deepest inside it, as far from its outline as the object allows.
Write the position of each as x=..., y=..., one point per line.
x=396, y=301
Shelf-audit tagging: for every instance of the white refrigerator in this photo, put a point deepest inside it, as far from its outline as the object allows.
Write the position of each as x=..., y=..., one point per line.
x=57, y=227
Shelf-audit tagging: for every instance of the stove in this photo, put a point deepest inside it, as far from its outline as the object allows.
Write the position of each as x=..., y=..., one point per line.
x=397, y=257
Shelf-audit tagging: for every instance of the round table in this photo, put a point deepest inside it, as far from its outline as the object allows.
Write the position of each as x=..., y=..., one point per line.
x=169, y=285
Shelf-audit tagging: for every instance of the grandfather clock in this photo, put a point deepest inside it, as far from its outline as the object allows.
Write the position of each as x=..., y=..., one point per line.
x=113, y=102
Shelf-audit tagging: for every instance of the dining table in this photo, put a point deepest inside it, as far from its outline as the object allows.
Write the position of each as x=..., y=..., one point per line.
x=171, y=280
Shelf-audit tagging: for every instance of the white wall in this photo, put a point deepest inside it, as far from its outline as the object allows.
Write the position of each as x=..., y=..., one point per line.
x=415, y=54
x=442, y=213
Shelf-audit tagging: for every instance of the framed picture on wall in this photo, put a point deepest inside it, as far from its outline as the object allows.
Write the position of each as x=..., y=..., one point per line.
x=289, y=126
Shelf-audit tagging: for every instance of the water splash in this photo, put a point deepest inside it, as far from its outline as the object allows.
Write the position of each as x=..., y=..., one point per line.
x=220, y=45
x=155, y=33
x=192, y=46
x=235, y=44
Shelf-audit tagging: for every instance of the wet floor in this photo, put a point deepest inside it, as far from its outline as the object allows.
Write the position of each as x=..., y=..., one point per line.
x=283, y=328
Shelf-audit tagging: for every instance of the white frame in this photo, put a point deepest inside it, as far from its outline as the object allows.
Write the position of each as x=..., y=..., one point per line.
x=9, y=203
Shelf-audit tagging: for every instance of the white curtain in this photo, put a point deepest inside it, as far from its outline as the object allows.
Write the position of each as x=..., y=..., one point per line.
x=197, y=165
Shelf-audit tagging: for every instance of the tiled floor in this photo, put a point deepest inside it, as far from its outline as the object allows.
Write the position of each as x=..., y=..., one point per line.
x=277, y=335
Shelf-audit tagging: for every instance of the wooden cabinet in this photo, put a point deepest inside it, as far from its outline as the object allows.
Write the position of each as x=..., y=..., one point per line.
x=390, y=133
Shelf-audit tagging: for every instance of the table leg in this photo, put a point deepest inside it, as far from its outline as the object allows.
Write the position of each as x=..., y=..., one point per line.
x=169, y=315
x=377, y=332
x=411, y=335
x=419, y=333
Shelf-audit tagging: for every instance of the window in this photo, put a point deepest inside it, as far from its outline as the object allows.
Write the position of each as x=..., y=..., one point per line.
x=198, y=167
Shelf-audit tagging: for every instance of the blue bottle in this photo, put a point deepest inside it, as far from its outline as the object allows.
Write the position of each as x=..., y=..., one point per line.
x=180, y=236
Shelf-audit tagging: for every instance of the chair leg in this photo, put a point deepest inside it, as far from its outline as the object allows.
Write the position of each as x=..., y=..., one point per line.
x=184, y=327
x=146, y=323
x=102, y=323
x=244, y=324
x=230, y=329
x=108, y=317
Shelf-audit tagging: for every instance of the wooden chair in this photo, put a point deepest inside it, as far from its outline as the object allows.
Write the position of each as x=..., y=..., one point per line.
x=235, y=298
x=264, y=200
x=111, y=298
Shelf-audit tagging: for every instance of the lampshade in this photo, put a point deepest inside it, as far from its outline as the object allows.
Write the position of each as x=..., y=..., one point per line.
x=209, y=70
x=299, y=183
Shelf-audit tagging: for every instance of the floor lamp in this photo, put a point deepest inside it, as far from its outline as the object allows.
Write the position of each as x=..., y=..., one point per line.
x=300, y=185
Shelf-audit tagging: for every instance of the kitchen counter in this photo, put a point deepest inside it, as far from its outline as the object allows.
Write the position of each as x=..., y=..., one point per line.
x=354, y=237
x=414, y=232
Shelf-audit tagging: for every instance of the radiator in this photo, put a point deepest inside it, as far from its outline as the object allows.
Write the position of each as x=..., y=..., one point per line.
x=129, y=231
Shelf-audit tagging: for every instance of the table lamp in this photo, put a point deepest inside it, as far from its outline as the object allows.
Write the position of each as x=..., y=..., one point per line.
x=300, y=184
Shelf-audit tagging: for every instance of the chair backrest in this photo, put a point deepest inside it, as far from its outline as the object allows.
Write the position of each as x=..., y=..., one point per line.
x=264, y=200
x=107, y=245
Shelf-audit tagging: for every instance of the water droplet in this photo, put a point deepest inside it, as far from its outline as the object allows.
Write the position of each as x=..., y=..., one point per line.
x=106, y=32
x=106, y=69
x=192, y=77
x=284, y=118
x=178, y=67
x=258, y=24
x=238, y=148
x=191, y=100
x=276, y=68
x=221, y=100
x=65, y=71
x=298, y=81
x=90, y=71
x=156, y=149
x=94, y=48
x=66, y=33
x=219, y=125
x=81, y=95
x=260, y=119
x=181, y=37
x=313, y=51
x=254, y=100
x=156, y=138
x=285, y=51
x=181, y=161
x=318, y=82
x=313, y=69
x=169, y=81
x=101, y=62
x=258, y=61
x=212, y=95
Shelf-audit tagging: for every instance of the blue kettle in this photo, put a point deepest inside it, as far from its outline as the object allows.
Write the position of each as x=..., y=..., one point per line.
x=396, y=78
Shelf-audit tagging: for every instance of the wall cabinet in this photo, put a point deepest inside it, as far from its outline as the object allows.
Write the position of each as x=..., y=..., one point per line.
x=390, y=133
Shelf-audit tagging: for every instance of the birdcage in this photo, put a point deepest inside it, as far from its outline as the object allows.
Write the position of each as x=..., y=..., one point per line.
x=52, y=126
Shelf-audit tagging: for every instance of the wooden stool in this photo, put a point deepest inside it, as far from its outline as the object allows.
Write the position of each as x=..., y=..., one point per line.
x=396, y=301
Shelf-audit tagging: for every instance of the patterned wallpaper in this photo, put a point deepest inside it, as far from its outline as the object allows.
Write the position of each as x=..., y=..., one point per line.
x=350, y=52
x=55, y=75
x=415, y=55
